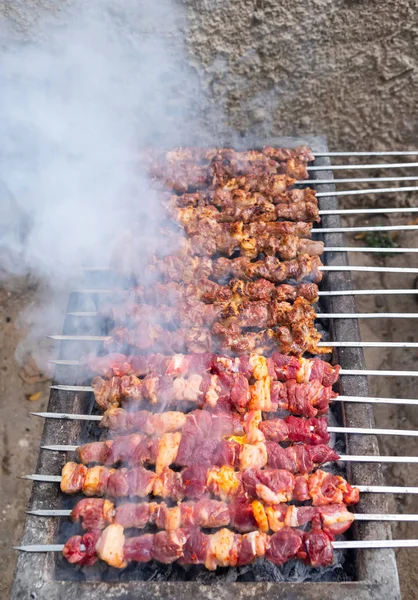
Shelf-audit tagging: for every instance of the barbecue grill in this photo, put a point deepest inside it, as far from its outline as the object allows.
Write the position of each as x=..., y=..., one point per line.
x=365, y=573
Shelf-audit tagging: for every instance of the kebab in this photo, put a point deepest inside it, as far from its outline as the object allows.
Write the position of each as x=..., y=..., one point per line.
x=271, y=486
x=297, y=338
x=224, y=392
x=278, y=367
x=201, y=432
x=179, y=450
x=221, y=549
x=194, y=313
x=210, y=238
x=209, y=291
x=225, y=207
x=156, y=424
x=242, y=515
x=246, y=170
x=187, y=268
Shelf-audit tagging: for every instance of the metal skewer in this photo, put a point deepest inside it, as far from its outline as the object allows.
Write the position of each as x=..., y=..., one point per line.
x=369, y=249
x=357, y=516
x=350, y=430
x=365, y=372
x=320, y=293
x=356, y=229
x=41, y=478
x=370, y=153
x=354, y=180
x=106, y=338
x=390, y=190
x=360, y=399
x=318, y=316
x=366, y=292
x=363, y=544
x=362, y=167
x=363, y=489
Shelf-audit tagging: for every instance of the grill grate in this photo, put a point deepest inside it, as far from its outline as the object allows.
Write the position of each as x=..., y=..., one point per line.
x=372, y=574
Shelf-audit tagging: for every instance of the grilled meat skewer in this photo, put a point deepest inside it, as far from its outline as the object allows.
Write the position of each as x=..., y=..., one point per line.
x=207, y=238
x=156, y=424
x=298, y=205
x=224, y=392
x=243, y=515
x=236, y=290
x=194, y=313
x=249, y=170
x=202, y=430
x=271, y=486
x=297, y=338
x=191, y=546
x=278, y=367
x=185, y=269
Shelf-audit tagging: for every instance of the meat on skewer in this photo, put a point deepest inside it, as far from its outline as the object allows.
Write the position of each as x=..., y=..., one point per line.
x=271, y=486
x=253, y=366
x=191, y=546
x=208, y=155
x=223, y=392
x=296, y=340
x=298, y=205
x=207, y=240
x=237, y=290
x=156, y=424
x=185, y=450
x=229, y=198
x=100, y=480
x=201, y=432
x=249, y=170
x=242, y=515
x=185, y=269
x=194, y=313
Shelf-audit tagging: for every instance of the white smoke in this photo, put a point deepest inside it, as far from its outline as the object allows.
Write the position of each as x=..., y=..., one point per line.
x=103, y=79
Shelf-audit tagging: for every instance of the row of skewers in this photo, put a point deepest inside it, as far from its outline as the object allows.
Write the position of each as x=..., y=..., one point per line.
x=234, y=468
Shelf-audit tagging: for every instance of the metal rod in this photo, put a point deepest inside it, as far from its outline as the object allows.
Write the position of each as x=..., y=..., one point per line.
x=386, y=489
x=371, y=458
x=370, y=153
x=359, y=399
x=367, y=316
x=350, y=430
x=390, y=190
x=105, y=338
x=362, y=167
x=356, y=229
x=367, y=292
x=368, y=344
x=378, y=372
x=69, y=416
x=318, y=316
x=369, y=249
x=346, y=545
x=367, y=211
x=354, y=180
x=320, y=293
x=372, y=489
x=377, y=459
x=369, y=269
x=369, y=400
x=357, y=516
x=356, y=372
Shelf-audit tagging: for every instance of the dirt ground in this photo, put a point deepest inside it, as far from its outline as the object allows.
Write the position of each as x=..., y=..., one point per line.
x=20, y=433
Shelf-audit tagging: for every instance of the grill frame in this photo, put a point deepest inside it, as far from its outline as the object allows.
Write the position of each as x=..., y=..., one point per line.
x=375, y=570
